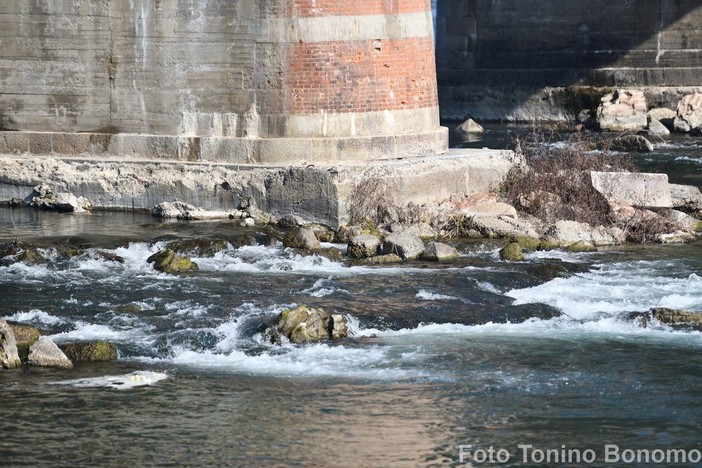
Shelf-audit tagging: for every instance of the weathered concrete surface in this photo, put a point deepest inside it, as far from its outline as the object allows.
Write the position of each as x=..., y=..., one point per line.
x=333, y=78
x=320, y=193
x=642, y=190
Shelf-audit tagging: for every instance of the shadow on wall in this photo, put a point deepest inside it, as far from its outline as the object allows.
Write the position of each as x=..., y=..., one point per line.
x=499, y=59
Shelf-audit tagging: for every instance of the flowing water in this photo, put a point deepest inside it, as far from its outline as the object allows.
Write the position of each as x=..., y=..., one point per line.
x=445, y=364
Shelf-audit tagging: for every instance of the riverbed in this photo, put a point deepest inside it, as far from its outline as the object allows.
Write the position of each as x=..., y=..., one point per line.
x=447, y=362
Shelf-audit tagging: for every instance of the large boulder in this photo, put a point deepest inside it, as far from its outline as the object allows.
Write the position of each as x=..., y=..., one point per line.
x=500, y=226
x=302, y=238
x=308, y=325
x=656, y=128
x=43, y=197
x=168, y=261
x=438, y=252
x=90, y=351
x=689, y=115
x=567, y=233
x=363, y=246
x=404, y=244
x=687, y=198
x=45, y=353
x=623, y=110
x=9, y=357
x=638, y=189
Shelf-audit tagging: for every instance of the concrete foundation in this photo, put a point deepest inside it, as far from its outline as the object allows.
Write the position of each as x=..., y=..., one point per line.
x=323, y=193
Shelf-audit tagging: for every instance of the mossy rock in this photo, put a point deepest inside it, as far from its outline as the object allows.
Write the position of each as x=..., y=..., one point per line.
x=90, y=351
x=698, y=226
x=30, y=256
x=386, y=259
x=199, y=247
x=529, y=244
x=512, y=252
x=546, y=245
x=130, y=308
x=25, y=336
x=168, y=261
x=581, y=246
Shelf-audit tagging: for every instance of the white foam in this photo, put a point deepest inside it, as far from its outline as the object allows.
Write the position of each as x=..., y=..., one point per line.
x=36, y=317
x=314, y=360
x=119, y=382
x=615, y=288
x=96, y=332
x=432, y=296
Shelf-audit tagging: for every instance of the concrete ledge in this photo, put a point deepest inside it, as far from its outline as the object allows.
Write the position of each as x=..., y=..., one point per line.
x=322, y=193
x=224, y=149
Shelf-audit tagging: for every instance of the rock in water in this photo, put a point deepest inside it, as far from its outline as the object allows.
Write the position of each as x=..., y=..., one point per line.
x=9, y=358
x=309, y=325
x=45, y=353
x=470, y=126
x=440, y=252
x=363, y=246
x=677, y=317
x=689, y=115
x=512, y=252
x=407, y=246
x=25, y=336
x=623, y=110
x=199, y=247
x=302, y=238
x=632, y=143
x=90, y=351
x=168, y=261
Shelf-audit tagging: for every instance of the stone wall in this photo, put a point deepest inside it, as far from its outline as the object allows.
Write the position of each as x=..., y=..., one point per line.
x=515, y=59
x=340, y=72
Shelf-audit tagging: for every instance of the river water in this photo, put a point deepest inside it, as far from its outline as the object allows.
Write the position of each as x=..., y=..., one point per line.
x=442, y=367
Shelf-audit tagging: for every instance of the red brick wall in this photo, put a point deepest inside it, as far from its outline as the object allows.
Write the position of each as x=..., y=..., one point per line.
x=304, y=8
x=361, y=76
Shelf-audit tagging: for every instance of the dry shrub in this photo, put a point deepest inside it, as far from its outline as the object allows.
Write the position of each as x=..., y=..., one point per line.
x=644, y=227
x=556, y=184
x=372, y=199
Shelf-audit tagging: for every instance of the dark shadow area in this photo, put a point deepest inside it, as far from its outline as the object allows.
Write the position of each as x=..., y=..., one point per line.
x=487, y=49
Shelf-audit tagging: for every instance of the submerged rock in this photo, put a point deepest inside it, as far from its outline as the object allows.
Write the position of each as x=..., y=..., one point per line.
x=45, y=353
x=9, y=357
x=308, y=325
x=168, y=261
x=90, y=351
